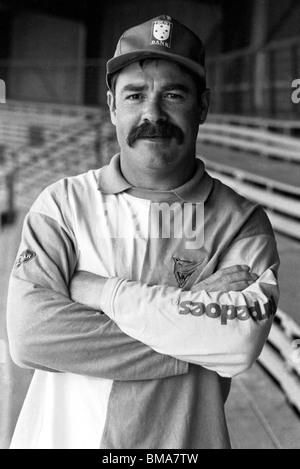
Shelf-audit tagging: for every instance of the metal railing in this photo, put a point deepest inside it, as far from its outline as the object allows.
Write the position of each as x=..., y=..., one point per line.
x=257, y=141
x=280, y=126
x=281, y=200
x=42, y=143
x=237, y=89
x=277, y=356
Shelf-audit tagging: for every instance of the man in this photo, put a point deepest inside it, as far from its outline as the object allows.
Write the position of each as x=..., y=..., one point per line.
x=141, y=288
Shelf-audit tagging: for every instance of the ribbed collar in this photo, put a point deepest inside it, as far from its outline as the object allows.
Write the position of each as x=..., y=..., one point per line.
x=196, y=190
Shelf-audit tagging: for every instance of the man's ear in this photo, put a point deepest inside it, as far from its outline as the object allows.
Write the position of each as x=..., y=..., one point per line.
x=112, y=107
x=204, y=105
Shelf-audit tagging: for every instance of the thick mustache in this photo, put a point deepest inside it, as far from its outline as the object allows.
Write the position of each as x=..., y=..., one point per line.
x=162, y=129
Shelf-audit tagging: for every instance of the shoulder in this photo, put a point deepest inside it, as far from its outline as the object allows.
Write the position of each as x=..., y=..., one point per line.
x=239, y=211
x=58, y=198
x=223, y=194
x=86, y=181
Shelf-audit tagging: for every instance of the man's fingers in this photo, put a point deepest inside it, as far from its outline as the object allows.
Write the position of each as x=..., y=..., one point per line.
x=237, y=286
x=237, y=277
x=227, y=271
x=219, y=287
x=234, y=278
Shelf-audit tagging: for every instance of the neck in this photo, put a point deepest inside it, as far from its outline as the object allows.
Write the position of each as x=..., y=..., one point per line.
x=158, y=180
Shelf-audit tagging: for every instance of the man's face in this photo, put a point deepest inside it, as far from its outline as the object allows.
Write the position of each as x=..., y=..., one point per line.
x=156, y=112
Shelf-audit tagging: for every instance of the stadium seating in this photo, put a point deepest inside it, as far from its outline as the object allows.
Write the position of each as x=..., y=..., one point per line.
x=43, y=144
x=253, y=136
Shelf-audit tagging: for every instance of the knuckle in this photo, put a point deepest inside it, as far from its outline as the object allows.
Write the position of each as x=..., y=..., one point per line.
x=226, y=279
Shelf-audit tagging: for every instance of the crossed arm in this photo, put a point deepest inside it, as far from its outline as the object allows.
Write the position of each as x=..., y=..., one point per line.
x=141, y=335
x=49, y=331
x=221, y=324
x=86, y=288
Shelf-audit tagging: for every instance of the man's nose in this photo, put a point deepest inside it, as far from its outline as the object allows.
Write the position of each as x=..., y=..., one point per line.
x=153, y=110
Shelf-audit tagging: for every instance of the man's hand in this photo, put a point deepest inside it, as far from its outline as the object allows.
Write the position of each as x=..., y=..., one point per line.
x=235, y=278
x=86, y=288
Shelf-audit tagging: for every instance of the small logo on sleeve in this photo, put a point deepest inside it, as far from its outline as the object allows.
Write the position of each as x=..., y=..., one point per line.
x=26, y=256
x=161, y=33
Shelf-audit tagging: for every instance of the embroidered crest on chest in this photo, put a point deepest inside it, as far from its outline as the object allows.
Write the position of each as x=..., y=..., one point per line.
x=184, y=269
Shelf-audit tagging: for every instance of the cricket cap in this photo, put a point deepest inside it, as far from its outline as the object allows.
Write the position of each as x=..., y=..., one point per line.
x=159, y=38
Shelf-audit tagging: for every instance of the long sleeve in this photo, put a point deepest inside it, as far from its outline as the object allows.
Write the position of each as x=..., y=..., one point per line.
x=48, y=331
x=223, y=332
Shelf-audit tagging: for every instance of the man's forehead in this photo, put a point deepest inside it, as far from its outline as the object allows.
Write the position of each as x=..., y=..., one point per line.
x=163, y=70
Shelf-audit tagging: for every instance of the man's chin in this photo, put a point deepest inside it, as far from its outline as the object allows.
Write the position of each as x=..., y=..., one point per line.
x=156, y=161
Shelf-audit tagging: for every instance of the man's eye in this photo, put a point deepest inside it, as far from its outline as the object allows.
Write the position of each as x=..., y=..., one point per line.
x=134, y=97
x=173, y=96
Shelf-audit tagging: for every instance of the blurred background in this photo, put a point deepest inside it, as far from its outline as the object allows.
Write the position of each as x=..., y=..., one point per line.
x=54, y=123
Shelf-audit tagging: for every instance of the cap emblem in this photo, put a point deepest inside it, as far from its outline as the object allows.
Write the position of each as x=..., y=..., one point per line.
x=161, y=33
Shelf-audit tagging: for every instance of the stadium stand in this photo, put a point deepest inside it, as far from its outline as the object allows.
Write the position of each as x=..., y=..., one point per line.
x=239, y=91
x=43, y=144
x=263, y=142
x=280, y=197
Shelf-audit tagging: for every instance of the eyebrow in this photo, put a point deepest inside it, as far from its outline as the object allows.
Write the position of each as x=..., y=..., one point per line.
x=135, y=88
x=176, y=86
x=167, y=87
